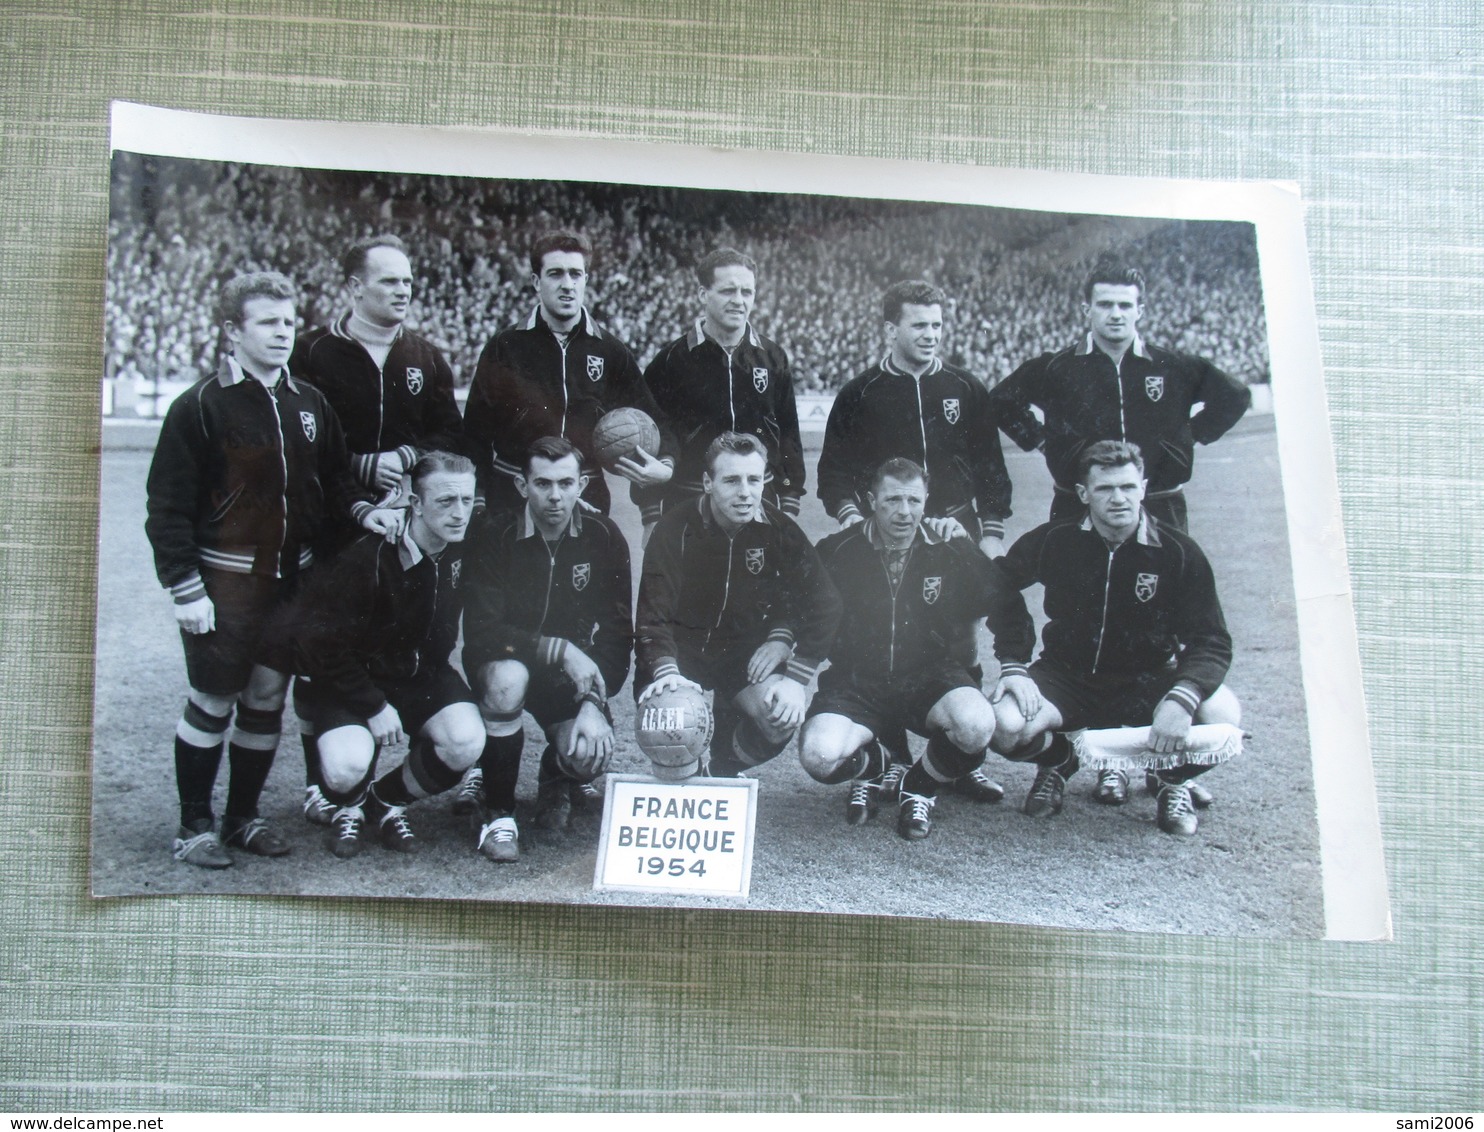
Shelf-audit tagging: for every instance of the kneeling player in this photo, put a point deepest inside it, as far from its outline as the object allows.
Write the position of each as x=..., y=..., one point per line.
x=733, y=598
x=1134, y=637
x=547, y=629
x=375, y=633
x=903, y=656
x=249, y=472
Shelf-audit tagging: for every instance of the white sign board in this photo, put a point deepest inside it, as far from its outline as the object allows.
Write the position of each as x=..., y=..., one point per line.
x=692, y=837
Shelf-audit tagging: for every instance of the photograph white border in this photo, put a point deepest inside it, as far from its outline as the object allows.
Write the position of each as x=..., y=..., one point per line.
x=1354, y=881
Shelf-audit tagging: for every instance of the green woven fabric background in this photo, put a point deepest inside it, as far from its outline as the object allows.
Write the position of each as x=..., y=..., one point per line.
x=259, y=1003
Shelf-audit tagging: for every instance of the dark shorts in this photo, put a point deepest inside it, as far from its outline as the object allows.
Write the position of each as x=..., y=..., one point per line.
x=1101, y=701
x=221, y=662
x=551, y=697
x=417, y=701
x=723, y=672
x=888, y=706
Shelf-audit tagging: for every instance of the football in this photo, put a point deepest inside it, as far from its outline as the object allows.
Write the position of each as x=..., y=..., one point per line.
x=673, y=728
x=621, y=431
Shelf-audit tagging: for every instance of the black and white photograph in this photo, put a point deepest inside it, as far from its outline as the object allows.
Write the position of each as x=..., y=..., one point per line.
x=983, y=521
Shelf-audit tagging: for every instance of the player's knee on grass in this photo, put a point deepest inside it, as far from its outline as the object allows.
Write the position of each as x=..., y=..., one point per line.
x=1221, y=706
x=827, y=743
x=503, y=685
x=457, y=733
x=345, y=757
x=965, y=718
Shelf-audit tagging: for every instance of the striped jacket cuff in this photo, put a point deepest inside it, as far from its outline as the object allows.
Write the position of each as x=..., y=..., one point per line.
x=409, y=456
x=782, y=633
x=363, y=465
x=665, y=666
x=551, y=650
x=1014, y=668
x=651, y=513
x=992, y=528
x=789, y=505
x=1186, y=695
x=801, y=669
x=359, y=510
x=188, y=589
x=848, y=513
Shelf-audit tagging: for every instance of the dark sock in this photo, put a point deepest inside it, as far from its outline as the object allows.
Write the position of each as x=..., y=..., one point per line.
x=1059, y=756
x=250, y=757
x=500, y=764
x=1175, y=775
x=195, y=775
x=196, y=764
x=313, y=775
x=945, y=761
x=550, y=772
x=421, y=776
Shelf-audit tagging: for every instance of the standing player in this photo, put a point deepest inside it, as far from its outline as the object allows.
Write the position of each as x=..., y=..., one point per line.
x=547, y=629
x=1134, y=637
x=723, y=376
x=914, y=405
x=1115, y=386
x=392, y=390
x=250, y=470
x=733, y=598
x=903, y=658
x=375, y=633
x=556, y=374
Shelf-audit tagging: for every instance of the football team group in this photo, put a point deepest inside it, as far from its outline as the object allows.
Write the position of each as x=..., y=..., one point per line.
x=322, y=513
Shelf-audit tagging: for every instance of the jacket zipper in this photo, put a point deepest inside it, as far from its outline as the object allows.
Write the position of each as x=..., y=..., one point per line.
x=562, y=345
x=1103, y=625
x=726, y=592
x=283, y=459
x=921, y=421
x=731, y=382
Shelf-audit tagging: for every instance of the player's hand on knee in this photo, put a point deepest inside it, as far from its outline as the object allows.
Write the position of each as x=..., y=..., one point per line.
x=785, y=702
x=197, y=616
x=386, y=726
x=590, y=742
x=386, y=522
x=665, y=683
x=581, y=670
x=1023, y=693
x=1170, y=728
x=769, y=657
x=643, y=469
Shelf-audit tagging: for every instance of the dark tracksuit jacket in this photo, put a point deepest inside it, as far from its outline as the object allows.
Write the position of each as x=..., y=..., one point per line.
x=706, y=389
x=943, y=421
x=1147, y=606
x=383, y=613
x=528, y=600
x=402, y=406
x=246, y=479
x=884, y=635
x=528, y=385
x=706, y=594
x=1146, y=399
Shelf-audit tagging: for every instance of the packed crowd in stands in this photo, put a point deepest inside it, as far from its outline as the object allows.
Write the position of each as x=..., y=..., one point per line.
x=179, y=229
